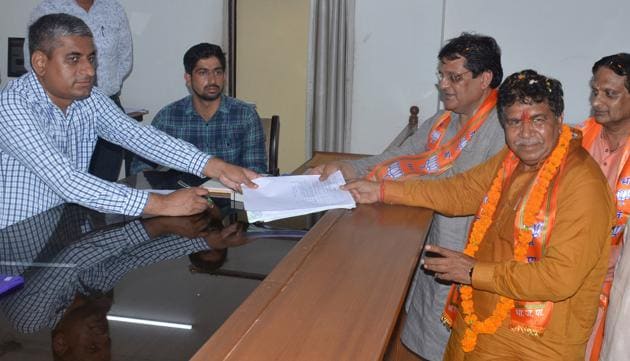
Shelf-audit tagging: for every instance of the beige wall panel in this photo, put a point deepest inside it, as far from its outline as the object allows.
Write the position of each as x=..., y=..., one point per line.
x=272, y=41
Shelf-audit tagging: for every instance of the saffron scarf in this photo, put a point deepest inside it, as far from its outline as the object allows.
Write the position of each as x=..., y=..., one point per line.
x=437, y=158
x=591, y=130
x=533, y=224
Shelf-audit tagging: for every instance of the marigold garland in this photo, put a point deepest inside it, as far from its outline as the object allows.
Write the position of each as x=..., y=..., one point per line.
x=536, y=196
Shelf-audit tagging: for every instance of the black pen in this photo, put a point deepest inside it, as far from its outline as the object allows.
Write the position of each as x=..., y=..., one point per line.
x=185, y=185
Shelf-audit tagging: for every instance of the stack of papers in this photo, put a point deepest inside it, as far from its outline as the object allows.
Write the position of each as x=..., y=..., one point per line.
x=289, y=196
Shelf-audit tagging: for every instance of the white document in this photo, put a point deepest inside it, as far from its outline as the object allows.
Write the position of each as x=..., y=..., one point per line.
x=289, y=196
x=161, y=191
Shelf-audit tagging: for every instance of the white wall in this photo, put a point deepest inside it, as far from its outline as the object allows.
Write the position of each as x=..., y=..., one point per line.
x=162, y=31
x=561, y=38
x=395, y=61
x=397, y=43
x=13, y=18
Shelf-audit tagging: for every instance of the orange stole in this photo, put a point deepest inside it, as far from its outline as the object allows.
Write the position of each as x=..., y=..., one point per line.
x=525, y=316
x=591, y=130
x=437, y=158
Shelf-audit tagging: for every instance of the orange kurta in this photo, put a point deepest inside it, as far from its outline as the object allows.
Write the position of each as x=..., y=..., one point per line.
x=570, y=273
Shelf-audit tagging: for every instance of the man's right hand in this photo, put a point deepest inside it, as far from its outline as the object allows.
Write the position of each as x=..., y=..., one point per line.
x=325, y=170
x=182, y=202
x=363, y=191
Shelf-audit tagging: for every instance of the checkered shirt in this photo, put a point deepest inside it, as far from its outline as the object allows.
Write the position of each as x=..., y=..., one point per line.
x=234, y=133
x=45, y=154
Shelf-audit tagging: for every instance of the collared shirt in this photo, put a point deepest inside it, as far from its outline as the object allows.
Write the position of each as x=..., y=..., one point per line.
x=112, y=37
x=45, y=154
x=234, y=133
x=609, y=161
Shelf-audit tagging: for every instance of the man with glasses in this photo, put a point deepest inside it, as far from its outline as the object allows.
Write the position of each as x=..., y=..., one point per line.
x=527, y=285
x=606, y=139
x=466, y=133
x=215, y=123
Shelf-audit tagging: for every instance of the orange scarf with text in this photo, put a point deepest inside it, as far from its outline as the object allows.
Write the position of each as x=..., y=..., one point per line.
x=591, y=130
x=437, y=158
x=533, y=223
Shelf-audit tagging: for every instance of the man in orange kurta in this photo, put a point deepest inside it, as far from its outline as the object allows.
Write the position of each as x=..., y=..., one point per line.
x=606, y=139
x=540, y=246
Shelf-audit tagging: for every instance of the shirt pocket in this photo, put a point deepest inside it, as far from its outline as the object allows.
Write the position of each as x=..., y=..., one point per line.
x=231, y=142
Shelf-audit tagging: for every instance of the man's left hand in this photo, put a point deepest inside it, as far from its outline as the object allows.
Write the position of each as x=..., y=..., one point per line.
x=229, y=174
x=449, y=265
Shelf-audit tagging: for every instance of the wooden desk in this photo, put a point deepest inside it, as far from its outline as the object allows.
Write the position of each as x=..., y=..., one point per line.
x=336, y=296
x=325, y=157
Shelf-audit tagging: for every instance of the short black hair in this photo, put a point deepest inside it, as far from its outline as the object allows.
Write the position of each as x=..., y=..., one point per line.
x=200, y=264
x=529, y=87
x=482, y=53
x=45, y=31
x=618, y=63
x=202, y=51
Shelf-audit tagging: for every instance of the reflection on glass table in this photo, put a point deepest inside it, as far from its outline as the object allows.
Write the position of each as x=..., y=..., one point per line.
x=181, y=275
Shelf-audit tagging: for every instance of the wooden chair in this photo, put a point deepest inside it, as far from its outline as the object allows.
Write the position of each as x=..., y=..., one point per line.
x=271, y=127
x=321, y=157
x=408, y=130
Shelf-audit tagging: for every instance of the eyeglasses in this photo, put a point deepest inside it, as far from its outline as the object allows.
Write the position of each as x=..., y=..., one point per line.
x=452, y=78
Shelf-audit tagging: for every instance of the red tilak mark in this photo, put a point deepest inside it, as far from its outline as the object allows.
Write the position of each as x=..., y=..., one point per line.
x=525, y=117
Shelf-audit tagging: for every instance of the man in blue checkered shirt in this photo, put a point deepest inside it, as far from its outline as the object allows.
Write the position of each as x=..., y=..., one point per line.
x=213, y=122
x=50, y=119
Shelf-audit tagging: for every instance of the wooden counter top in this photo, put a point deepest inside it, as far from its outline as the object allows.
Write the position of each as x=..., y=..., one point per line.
x=335, y=296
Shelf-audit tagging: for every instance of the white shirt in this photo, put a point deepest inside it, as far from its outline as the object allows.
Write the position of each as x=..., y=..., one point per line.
x=112, y=38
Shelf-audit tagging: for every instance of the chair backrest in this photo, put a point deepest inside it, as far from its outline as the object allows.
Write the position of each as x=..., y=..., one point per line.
x=271, y=126
x=408, y=130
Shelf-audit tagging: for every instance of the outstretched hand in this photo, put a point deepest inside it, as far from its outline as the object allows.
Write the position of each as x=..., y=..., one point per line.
x=363, y=191
x=231, y=175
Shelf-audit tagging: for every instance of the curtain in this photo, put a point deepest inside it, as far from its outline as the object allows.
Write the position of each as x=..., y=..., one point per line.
x=331, y=59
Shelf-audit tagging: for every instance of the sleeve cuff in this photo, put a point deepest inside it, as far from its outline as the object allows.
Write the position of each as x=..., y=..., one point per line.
x=483, y=276
x=137, y=201
x=198, y=164
x=136, y=232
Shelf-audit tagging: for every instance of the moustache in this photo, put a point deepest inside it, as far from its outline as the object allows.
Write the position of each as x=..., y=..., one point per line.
x=209, y=87
x=526, y=142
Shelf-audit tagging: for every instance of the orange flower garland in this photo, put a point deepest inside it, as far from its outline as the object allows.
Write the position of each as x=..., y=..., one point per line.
x=480, y=227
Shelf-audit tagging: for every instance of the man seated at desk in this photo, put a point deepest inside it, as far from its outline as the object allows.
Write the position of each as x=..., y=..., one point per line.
x=50, y=119
x=529, y=279
x=215, y=123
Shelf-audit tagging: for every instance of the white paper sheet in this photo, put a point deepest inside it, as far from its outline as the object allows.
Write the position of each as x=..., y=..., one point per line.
x=288, y=196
